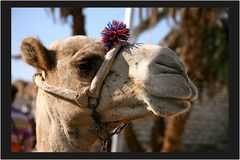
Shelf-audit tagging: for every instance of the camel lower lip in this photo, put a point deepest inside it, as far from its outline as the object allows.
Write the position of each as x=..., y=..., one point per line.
x=163, y=106
x=176, y=99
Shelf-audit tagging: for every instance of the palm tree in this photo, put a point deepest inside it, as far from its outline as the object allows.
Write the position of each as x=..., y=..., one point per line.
x=200, y=37
x=77, y=18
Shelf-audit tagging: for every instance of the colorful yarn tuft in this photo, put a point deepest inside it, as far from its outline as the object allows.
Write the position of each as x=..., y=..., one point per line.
x=115, y=33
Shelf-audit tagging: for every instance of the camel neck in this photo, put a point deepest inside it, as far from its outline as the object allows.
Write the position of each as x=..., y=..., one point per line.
x=56, y=133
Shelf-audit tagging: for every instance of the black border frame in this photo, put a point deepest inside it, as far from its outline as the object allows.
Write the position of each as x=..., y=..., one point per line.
x=233, y=79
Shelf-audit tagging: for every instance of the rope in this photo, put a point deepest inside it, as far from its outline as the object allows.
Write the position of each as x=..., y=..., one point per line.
x=75, y=96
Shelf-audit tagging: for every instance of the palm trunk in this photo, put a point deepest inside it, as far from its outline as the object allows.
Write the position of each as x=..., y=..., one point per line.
x=78, y=22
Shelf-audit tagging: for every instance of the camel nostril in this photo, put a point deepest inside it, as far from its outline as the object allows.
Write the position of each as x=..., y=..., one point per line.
x=164, y=68
x=168, y=58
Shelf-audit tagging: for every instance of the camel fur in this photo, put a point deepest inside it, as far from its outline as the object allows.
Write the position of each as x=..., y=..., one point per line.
x=143, y=80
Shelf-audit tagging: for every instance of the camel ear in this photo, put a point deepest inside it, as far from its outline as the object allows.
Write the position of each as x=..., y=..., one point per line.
x=35, y=54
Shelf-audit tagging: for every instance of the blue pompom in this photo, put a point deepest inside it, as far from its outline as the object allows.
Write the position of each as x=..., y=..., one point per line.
x=114, y=33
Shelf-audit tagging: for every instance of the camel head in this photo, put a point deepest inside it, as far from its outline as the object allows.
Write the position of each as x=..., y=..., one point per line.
x=143, y=80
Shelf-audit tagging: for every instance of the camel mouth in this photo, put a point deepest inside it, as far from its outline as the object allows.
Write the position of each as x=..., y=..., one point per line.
x=167, y=107
x=172, y=94
x=174, y=85
x=177, y=99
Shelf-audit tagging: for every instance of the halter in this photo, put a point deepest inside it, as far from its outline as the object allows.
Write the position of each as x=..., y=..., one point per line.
x=92, y=93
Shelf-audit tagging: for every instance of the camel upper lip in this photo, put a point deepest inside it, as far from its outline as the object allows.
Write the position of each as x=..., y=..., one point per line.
x=190, y=98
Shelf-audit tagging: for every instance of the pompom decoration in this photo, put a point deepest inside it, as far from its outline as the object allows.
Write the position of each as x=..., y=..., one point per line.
x=116, y=32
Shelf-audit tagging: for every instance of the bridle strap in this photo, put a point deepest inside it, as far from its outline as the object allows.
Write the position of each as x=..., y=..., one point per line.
x=92, y=93
x=97, y=81
x=65, y=93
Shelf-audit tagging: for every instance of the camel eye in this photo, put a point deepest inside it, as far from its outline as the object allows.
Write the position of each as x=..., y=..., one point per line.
x=88, y=66
x=84, y=67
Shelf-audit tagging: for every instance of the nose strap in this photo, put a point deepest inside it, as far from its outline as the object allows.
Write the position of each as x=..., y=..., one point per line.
x=97, y=81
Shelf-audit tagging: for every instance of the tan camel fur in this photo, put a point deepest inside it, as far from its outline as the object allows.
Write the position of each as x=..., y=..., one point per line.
x=144, y=80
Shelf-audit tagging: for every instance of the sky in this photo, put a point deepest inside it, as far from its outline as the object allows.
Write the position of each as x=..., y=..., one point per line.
x=40, y=23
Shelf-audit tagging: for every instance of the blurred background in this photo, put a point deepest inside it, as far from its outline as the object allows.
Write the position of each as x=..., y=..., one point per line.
x=198, y=35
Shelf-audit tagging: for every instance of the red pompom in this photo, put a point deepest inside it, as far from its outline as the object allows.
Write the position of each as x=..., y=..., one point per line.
x=115, y=33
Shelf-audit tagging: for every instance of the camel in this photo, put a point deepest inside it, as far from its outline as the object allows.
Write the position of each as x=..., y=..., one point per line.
x=143, y=80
